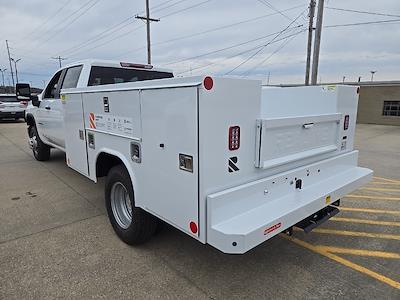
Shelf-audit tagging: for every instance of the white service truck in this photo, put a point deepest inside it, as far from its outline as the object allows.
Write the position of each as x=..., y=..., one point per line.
x=227, y=161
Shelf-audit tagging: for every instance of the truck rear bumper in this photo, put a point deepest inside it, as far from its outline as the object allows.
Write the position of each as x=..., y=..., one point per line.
x=240, y=218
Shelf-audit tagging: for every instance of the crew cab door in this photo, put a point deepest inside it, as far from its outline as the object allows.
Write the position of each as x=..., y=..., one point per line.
x=69, y=80
x=45, y=115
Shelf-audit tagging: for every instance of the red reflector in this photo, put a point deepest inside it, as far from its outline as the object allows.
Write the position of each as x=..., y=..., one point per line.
x=234, y=137
x=208, y=83
x=193, y=227
x=23, y=102
x=346, y=122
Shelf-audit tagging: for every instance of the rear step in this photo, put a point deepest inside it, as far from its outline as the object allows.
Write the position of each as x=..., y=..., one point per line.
x=318, y=218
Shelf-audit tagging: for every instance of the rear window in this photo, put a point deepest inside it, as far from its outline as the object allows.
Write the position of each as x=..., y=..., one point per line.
x=8, y=99
x=109, y=75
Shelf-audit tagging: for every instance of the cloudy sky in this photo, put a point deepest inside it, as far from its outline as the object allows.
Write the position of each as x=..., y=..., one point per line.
x=247, y=38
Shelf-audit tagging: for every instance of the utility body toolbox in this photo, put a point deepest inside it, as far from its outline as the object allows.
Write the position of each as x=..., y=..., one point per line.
x=227, y=161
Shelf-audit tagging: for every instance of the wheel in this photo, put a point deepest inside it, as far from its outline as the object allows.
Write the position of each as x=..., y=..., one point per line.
x=132, y=224
x=40, y=150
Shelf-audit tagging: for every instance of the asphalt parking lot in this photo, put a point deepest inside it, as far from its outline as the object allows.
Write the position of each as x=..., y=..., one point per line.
x=55, y=240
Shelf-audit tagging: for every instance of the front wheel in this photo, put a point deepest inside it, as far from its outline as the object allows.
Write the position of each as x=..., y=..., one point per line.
x=132, y=224
x=40, y=150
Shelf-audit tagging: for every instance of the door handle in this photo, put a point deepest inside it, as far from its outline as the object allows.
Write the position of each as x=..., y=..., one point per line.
x=47, y=107
x=308, y=125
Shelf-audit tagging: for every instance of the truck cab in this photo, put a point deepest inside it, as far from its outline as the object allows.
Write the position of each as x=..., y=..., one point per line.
x=46, y=113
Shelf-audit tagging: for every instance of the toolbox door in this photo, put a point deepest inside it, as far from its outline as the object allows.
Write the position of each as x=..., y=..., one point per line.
x=168, y=178
x=285, y=140
x=75, y=137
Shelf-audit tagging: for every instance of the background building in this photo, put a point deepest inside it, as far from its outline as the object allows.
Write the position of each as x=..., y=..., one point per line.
x=379, y=102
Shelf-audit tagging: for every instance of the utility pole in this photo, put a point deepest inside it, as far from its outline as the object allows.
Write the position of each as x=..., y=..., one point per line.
x=372, y=75
x=309, y=43
x=60, y=59
x=148, y=20
x=16, y=70
x=317, y=42
x=9, y=59
x=2, y=75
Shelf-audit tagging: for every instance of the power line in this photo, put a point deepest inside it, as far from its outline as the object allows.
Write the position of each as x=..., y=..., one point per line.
x=362, y=12
x=52, y=16
x=270, y=6
x=102, y=34
x=209, y=30
x=283, y=45
x=363, y=23
x=85, y=10
x=241, y=53
x=113, y=29
x=154, y=9
x=185, y=9
x=227, y=48
x=258, y=51
x=139, y=27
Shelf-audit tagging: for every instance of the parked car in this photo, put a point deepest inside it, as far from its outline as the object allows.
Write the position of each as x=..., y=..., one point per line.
x=11, y=107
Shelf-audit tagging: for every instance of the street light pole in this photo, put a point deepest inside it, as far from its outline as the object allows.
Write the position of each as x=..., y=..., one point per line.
x=372, y=75
x=15, y=67
x=2, y=75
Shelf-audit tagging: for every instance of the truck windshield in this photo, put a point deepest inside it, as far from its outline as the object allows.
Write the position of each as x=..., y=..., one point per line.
x=8, y=99
x=110, y=75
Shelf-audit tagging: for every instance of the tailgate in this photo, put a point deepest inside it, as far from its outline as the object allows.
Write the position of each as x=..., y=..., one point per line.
x=243, y=217
x=284, y=140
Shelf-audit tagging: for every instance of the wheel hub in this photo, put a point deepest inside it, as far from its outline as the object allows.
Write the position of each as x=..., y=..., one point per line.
x=121, y=205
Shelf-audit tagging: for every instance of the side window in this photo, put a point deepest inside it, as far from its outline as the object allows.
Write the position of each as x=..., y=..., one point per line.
x=71, y=77
x=51, y=90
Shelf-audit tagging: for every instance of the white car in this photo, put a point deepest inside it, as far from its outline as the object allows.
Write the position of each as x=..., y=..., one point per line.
x=11, y=107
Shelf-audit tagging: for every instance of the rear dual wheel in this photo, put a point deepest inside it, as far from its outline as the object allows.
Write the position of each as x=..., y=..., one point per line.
x=132, y=224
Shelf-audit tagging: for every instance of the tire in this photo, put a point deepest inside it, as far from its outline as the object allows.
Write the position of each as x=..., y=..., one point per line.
x=40, y=150
x=132, y=224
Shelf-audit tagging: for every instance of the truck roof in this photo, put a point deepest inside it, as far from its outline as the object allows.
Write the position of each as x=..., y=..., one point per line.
x=116, y=64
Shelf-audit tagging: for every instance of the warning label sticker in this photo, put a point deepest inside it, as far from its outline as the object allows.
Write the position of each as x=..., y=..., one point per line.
x=111, y=124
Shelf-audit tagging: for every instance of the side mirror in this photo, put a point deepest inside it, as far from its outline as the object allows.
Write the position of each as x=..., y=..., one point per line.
x=23, y=90
x=35, y=101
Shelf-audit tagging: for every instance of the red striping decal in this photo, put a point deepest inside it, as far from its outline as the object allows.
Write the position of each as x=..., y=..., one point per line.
x=91, y=121
x=272, y=228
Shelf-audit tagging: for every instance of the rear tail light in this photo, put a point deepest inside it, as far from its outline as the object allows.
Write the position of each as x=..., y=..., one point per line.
x=234, y=137
x=23, y=103
x=346, y=122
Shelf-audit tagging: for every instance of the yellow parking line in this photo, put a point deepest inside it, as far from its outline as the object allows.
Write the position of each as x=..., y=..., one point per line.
x=373, y=197
x=380, y=189
x=363, y=221
x=371, y=210
x=345, y=262
x=387, y=179
x=356, y=233
x=359, y=252
x=383, y=183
